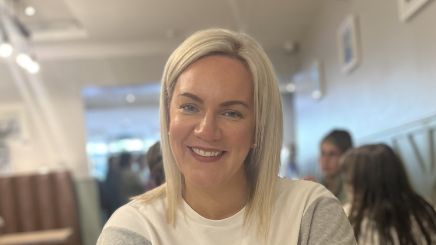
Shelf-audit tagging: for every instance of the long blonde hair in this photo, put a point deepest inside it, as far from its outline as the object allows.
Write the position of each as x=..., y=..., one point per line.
x=262, y=163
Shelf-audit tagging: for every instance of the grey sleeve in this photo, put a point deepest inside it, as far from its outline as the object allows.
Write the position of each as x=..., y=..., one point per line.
x=325, y=223
x=121, y=236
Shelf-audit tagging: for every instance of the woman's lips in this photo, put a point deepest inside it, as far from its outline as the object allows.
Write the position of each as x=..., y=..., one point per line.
x=206, y=154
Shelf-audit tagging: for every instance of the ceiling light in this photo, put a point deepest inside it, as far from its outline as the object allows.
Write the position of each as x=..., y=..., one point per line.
x=6, y=50
x=23, y=60
x=30, y=11
x=27, y=63
x=33, y=67
x=290, y=88
x=130, y=98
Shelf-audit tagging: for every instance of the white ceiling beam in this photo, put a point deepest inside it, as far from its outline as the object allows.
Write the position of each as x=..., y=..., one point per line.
x=97, y=50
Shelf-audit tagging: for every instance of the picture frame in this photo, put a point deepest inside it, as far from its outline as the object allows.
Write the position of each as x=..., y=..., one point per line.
x=348, y=44
x=407, y=8
x=311, y=81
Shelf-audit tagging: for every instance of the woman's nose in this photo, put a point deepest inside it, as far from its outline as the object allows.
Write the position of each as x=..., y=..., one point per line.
x=208, y=129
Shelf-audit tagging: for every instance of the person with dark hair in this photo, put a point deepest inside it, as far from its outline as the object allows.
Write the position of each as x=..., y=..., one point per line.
x=155, y=163
x=336, y=143
x=384, y=208
x=111, y=200
x=130, y=183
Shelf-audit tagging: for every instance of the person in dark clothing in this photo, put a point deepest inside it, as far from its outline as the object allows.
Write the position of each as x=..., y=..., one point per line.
x=155, y=163
x=109, y=190
x=130, y=184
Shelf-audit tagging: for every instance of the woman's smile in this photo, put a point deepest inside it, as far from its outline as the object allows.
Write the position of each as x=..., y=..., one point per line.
x=206, y=154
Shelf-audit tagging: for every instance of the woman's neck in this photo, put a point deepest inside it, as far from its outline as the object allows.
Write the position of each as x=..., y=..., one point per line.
x=219, y=202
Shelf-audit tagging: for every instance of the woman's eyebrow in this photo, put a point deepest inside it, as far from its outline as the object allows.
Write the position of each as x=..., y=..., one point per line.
x=224, y=104
x=233, y=102
x=192, y=96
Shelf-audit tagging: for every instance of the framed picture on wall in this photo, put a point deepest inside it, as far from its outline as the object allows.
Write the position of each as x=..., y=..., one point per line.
x=407, y=8
x=348, y=44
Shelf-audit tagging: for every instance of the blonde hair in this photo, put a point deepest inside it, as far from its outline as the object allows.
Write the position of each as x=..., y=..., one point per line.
x=262, y=163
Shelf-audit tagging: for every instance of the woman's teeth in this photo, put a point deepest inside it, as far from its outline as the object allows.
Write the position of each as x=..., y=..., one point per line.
x=206, y=153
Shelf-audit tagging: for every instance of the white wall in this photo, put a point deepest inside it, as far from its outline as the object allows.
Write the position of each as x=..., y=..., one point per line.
x=288, y=119
x=54, y=107
x=54, y=120
x=394, y=84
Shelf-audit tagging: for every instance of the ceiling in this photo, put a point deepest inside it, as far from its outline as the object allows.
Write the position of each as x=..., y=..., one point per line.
x=271, y=22
x=155, y=26
x=126, y=43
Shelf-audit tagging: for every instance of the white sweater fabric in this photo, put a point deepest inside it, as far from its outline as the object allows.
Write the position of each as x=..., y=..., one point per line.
x=304, y=213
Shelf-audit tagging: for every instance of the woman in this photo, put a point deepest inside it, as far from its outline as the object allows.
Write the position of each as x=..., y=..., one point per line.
x=332, y=147
x=222, y=129
x=384, y=208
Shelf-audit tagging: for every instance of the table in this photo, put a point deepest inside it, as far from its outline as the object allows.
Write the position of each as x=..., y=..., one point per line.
x=36, y=237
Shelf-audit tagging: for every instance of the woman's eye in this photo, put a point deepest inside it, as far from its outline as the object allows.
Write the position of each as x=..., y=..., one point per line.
x=233, y=114
x=188, y=108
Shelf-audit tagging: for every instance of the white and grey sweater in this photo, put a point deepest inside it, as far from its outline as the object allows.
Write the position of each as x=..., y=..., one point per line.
x=305, y=214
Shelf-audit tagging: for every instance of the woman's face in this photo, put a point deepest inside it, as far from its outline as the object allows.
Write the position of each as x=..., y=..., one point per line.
x=212, y=122
x=329, y=159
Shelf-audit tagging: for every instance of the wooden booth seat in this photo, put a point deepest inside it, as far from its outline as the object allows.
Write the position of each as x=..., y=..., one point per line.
x=39, y=202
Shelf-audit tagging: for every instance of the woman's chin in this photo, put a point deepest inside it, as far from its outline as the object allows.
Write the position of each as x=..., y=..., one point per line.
x=204, y=180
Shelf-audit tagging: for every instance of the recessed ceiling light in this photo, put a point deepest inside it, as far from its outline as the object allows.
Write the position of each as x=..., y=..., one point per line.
x=30, y=11
x=291, y=88
x=130, y=98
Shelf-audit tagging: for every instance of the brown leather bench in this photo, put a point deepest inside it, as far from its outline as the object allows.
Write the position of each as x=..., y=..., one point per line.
x=39, y=202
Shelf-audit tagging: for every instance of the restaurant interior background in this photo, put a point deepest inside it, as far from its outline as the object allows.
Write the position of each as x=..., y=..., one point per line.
x=89, y=85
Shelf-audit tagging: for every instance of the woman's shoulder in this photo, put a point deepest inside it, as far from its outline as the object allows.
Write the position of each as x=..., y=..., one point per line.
x=303, y=189
x=132, y=223
x=302, y=194
x=317, y=212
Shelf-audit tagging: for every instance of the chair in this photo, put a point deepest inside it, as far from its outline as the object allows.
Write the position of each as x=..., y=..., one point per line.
x=39, y=202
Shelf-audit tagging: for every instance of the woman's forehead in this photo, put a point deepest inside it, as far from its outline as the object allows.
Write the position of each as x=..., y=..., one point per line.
x=218, y=77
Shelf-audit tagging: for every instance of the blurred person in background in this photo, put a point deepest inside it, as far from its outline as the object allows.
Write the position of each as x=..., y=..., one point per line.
x=130, y=184
x=143, y=169
x=155, y=163
x=383, y=207
x=334, y=144
x=221, y=125
x=109, y=192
